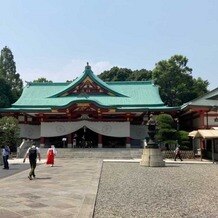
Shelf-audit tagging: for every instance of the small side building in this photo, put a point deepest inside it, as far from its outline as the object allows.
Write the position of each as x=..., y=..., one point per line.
x=202, y=114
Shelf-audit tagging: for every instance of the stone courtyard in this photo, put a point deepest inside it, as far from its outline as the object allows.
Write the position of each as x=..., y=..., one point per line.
x=91, y=187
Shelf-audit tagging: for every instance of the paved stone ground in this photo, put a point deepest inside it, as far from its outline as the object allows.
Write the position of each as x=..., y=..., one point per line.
x=177, y=190
x=14, y=168
x=66, y=190
x=69, y=189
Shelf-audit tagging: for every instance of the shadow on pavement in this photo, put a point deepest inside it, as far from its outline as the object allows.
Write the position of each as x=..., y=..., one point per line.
x=42, y=178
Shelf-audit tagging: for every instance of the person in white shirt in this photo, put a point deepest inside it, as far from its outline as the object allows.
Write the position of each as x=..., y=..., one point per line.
x=32, y=153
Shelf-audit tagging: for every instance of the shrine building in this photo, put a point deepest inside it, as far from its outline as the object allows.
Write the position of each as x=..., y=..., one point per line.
x=87, y=112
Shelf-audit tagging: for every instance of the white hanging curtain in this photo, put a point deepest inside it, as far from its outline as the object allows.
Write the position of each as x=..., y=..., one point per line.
x=138, y=131
x=29, y=131
x=115, y=129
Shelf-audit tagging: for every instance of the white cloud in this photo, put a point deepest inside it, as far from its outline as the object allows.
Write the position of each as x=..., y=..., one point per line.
x=70, y=71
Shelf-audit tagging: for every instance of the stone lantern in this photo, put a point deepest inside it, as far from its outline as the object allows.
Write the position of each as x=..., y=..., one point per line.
x=152, y=156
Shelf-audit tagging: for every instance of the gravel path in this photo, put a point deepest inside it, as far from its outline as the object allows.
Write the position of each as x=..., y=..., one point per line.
x=177, y=190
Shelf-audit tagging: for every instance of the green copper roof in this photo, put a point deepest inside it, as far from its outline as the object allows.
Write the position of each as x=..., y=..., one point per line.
x=128, y=96
x=209, y=100
x=87, y=73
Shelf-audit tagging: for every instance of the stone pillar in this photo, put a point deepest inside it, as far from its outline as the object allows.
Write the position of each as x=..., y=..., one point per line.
x=69, y=140
x=128, y=142
x=42, y=142
x=152, y=157
x=99, y=141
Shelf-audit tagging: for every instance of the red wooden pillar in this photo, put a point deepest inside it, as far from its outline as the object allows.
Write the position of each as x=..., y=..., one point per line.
x=201, y=119
x=99, y=135
x=25, y=119
x=128, y=142
x=42, y=139
x=69, y=140
x=74, y=137
x=42, y=142
x=99, y=141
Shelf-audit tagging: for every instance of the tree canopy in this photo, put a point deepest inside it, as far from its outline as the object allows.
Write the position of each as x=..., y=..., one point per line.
x=124, y=74
x=8, y=72
x=172, y=76
x=5, y=94
x=175, y=81
x=42, y=80
x=9, y=131
x=169, y=133
x=166, y=126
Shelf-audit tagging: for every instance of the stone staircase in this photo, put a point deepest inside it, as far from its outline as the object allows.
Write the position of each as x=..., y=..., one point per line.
x=102, y=153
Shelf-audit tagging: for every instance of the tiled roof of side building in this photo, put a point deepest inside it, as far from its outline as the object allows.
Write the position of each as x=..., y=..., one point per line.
x=209, y=99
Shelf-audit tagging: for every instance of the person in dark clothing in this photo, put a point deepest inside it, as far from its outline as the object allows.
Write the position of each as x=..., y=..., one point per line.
x=32, y=153
x=177, y=153
x=5, y=156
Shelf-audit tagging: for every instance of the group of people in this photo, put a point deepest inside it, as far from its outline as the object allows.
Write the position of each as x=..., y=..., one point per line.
x=32, y=153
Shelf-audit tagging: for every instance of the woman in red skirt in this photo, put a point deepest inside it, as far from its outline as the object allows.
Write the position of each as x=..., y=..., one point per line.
x=51, y=153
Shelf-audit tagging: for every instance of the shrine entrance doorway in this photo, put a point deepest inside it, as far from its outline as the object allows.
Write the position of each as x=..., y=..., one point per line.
x=86, y=138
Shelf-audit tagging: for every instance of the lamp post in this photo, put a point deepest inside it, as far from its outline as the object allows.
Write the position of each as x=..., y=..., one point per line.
x=152, y=156
x=152, y=125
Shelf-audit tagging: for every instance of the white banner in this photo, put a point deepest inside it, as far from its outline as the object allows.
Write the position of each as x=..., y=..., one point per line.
x=138, y=131
x=29, y=131
x=52, y=129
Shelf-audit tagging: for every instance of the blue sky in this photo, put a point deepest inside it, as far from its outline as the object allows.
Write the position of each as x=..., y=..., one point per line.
x=55, y=38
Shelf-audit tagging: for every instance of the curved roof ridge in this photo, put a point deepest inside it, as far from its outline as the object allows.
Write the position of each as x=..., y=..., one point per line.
x=46, y=83
x=149, y=82
x=88, y=73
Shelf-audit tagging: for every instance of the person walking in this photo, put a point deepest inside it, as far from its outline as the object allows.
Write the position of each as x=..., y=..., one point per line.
x=51, y=153
x=32, y=153
x=5, y=155
x=177, y=153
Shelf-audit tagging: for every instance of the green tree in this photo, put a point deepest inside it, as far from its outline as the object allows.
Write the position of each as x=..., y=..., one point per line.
x=175, y=81
x=140, y=75
x=183, y=140
x=173, y=76
x=42, y=80
x=115, y=74
x=200, y=87
x=124, y=74
x=8, y=72
x=9, y=131
x=5, y=94
x=166, y=128
x=168, y=133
